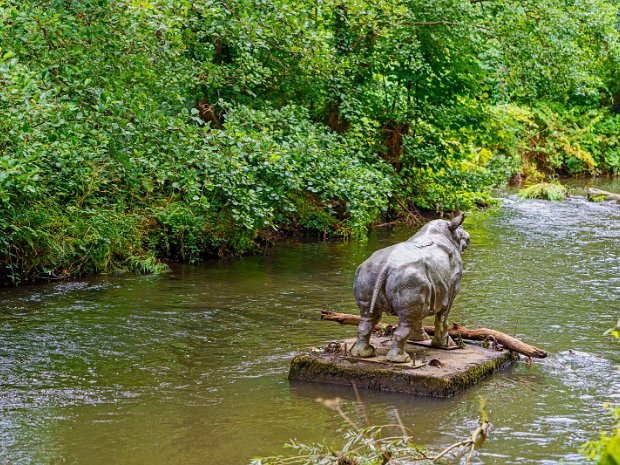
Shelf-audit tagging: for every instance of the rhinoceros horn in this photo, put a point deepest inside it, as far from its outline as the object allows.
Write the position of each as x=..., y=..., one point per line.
x=456, y=222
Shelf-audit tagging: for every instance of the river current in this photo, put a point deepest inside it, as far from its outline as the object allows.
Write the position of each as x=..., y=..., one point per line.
x=190, y=367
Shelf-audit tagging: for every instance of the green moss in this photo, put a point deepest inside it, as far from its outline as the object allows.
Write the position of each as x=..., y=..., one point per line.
x=477, y=372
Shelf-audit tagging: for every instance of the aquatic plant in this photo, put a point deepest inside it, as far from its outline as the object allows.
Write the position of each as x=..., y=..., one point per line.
x=545, y=190
x=614, y=332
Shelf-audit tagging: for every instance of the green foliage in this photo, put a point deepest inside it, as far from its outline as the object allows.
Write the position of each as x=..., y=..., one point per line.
x=553, y=50
x=614, y=332
x=46, y=240
x=606, y=450
x=568, y=140
x=545, y=190
x=137, y=130
x=547, y=139
x=451, y=169
x=107, y=170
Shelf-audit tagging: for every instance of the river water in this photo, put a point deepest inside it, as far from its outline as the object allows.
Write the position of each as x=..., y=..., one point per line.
x=190, y=367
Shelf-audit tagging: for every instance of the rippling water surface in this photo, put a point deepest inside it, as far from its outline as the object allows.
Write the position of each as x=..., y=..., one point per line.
x=190, y=367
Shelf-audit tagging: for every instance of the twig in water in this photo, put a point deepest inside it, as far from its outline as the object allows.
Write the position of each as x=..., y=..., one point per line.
x=449, y=448
x=478, y=435
x=336, y=405
x=400, y=423
x=360, y=403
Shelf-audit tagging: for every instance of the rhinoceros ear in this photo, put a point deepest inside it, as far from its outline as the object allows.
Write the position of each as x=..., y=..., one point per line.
x=456, y=222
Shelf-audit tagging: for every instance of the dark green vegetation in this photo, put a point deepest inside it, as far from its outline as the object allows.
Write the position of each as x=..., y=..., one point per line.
x=137, y=130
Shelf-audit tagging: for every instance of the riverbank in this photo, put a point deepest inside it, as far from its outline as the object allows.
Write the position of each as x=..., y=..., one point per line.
x=50, y=243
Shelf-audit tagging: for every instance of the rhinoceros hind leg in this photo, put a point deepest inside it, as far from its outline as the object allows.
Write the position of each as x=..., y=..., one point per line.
x=441, y=338
x=397, y=355
x=363, y=349
x=418, y=334
x=448, y=342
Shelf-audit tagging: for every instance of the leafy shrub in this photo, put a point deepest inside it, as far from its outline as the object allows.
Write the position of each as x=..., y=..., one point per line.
x=606, y=450
x=105, y=171
x=376, y=445
x=446, y=169
x=556, y=139
x=132, y=131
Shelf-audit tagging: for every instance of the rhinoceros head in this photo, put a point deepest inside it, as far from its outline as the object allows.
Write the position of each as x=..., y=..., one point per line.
x=459, y=235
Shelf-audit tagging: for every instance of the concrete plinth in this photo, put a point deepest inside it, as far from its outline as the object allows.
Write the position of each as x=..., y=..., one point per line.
x=433, y=372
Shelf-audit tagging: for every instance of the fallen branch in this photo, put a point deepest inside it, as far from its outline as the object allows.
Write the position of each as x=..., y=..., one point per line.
x=371, y=445
x=593, y=193
x=479, y=334
x=478, y=435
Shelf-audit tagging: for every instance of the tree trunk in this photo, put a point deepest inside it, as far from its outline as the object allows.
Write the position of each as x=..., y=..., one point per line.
x=479, y=334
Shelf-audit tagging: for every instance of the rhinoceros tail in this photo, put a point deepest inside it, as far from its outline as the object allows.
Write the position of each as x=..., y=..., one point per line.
x=379, y=283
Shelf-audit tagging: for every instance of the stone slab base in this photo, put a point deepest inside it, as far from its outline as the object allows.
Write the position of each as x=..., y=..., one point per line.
x=433, y=372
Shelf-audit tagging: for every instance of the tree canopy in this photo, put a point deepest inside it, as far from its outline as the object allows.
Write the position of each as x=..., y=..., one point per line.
x=132, y=130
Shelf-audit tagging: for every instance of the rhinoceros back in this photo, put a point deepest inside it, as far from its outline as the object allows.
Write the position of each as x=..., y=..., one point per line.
x=419, y=276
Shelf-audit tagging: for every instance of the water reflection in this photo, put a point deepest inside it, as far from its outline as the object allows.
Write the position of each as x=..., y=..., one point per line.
x=190, y=367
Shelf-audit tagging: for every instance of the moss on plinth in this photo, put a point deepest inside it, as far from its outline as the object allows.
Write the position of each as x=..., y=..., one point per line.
x=433, y=372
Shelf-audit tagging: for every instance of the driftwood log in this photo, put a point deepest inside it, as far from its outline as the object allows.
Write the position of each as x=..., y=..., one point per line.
x=593, y=193
x=479, y=334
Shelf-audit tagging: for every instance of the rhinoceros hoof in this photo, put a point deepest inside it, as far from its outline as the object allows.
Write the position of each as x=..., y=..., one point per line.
x=419, y=336
x=397, y=356
x=442, y=344
x=363, y=350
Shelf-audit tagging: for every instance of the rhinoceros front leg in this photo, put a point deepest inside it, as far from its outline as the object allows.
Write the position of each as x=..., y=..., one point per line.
x=362, y=347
